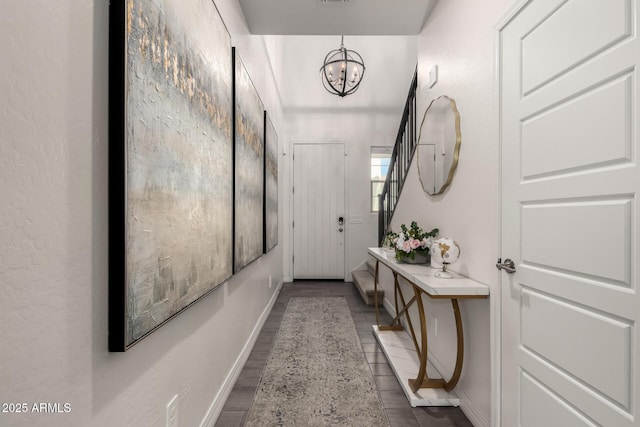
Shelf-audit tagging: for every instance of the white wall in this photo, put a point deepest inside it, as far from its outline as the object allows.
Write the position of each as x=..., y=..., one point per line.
x=54, y=232
x=458, y=37
x=369, y=117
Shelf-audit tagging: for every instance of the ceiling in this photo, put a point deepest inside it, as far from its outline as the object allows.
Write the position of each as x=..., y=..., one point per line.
x=296, y=61
x=334, y=17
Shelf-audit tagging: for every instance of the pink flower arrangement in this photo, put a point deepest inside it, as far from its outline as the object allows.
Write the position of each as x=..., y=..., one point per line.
x=413, y=241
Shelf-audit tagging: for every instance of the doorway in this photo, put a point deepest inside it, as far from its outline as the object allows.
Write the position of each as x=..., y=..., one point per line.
x=319, y=217
x=570, y=180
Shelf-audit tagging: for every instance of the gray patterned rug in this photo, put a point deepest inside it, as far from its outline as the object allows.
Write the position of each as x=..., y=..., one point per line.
x=316, y=374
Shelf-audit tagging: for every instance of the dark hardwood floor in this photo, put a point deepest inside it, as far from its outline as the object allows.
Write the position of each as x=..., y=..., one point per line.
x=393, y=399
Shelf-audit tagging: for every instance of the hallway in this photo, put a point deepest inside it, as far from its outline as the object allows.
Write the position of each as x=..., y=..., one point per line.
x=395, y=403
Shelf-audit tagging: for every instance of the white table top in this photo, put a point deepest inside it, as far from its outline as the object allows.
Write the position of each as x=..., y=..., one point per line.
x=422, y=276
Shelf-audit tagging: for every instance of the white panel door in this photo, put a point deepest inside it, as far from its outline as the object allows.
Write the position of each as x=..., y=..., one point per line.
x=319, y=218
x=570, y=182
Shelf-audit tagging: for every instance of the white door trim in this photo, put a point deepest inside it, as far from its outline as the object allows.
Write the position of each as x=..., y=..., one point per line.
x=289, y=259
x=495, y=305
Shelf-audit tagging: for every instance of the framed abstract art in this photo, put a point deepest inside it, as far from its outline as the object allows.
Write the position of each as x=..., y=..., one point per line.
x=170, y=161
x=248, y=168
x=270, y=185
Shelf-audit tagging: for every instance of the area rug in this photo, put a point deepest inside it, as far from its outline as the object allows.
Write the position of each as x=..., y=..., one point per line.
x=316, y=373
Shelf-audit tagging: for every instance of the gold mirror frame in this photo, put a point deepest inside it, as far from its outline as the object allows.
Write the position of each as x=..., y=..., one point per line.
x=456, y=150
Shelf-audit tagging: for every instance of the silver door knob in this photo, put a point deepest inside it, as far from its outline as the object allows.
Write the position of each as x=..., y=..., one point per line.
x=508, y=265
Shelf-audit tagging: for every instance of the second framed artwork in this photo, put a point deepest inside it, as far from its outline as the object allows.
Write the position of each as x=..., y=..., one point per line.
x=249, y=157
x=270, y=185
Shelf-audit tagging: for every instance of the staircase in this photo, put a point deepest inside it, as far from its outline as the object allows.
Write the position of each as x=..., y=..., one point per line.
x=363, y=279
x=403, y=150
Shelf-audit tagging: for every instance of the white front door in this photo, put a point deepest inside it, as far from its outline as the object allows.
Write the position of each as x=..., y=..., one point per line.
x=319, y=218
x=570, y=183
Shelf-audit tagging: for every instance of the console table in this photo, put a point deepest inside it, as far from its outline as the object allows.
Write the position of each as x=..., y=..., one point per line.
x=407, y=356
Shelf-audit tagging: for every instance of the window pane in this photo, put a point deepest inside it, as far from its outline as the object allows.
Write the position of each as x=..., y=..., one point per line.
x=380, y=161
x=376, y=189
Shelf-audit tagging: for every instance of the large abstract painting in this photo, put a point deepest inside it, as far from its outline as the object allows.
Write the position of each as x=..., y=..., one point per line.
x=171, y=161
x=248, y=168
x=270, y=185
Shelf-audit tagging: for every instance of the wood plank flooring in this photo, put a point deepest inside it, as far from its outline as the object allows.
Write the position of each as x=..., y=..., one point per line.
x=393, y=399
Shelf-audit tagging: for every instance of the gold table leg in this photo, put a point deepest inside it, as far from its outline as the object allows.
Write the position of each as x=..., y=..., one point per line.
x=395, y=324
x=405, y=310
x=423, y=380
x=391, y=327
x=449, y=385
x=375, y=292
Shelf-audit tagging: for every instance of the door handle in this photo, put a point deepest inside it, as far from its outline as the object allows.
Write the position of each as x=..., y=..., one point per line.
x=341, y=229
x=508, y=265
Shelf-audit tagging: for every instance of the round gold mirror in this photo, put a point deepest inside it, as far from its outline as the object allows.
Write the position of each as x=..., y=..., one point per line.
x=438, y=145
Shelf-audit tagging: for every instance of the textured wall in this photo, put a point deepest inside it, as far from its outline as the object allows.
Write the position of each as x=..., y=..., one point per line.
x=53, y=238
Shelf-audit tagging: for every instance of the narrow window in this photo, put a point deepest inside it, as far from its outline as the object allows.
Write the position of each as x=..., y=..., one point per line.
x=380, y=158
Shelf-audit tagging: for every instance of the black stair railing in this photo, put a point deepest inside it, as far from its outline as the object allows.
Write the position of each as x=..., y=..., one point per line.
x=401, y=157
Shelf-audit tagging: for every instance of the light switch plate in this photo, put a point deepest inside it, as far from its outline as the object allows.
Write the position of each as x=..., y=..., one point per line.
x=433, y=76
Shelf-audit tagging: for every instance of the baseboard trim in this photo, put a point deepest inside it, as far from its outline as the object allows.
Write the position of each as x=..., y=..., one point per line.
x=471, y=410
x=218, y=402
x=468, y=406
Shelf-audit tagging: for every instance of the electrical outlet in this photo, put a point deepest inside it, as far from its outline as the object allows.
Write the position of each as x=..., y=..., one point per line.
x=270, y=282
x=172, y=412
x=435, y=325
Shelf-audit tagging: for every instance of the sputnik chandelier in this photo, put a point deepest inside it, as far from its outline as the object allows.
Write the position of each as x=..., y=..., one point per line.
x=342, y=71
